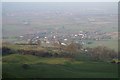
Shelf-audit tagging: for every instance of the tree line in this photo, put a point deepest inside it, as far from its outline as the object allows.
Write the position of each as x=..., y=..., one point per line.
x=70, y=51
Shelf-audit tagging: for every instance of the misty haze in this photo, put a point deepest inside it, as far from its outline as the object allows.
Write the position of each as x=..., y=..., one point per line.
x=60, y=40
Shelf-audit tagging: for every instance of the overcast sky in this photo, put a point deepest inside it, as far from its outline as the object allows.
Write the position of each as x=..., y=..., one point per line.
x=60, y=0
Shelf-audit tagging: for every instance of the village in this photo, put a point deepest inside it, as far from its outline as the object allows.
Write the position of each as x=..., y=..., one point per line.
x=48, y=38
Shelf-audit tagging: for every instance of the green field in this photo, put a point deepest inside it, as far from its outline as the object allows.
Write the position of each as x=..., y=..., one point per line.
x=113, y=44
x=39, y=67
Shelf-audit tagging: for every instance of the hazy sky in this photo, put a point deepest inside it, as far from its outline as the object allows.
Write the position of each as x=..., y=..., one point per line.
x=60, y=0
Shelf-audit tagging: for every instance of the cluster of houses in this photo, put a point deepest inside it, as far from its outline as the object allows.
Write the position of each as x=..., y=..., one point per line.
x=52, y=38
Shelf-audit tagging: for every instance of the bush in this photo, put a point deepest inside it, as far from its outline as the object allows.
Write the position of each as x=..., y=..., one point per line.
x=102, y=53
x=25, y=66
x=113, y=61
x=6, y=51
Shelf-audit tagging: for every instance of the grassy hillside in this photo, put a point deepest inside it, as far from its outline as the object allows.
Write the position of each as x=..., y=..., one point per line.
x=37, y=67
